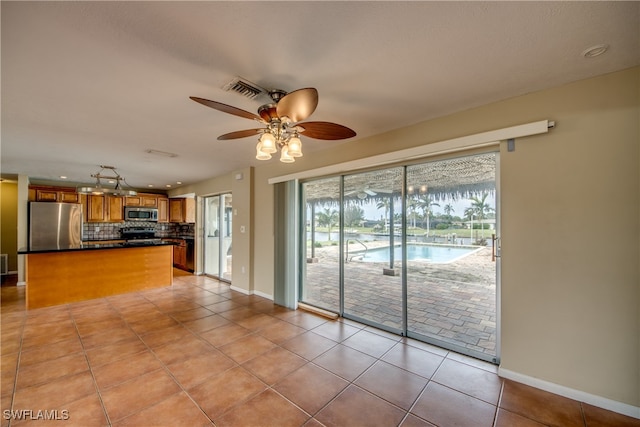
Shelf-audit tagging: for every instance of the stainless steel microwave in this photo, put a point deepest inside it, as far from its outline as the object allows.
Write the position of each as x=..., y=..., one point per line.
x=140, y=214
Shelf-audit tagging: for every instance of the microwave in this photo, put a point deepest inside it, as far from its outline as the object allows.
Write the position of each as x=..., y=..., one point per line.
x=140, y=214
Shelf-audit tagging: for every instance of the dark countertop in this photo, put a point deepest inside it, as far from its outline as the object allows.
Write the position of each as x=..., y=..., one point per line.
x=92, y=246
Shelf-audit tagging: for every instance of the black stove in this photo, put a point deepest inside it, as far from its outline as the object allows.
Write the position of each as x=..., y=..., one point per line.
x=139, y=235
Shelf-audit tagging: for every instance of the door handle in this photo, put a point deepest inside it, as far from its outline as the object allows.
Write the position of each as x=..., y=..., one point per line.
x=494, y=250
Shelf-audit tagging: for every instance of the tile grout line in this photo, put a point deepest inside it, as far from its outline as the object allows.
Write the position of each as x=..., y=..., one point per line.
x=93, y=377
x=14, y=390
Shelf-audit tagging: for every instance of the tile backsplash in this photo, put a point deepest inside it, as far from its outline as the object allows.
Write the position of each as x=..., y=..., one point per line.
x=108, y=231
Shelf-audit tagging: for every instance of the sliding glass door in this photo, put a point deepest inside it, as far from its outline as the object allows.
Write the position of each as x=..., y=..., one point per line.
x=408, y=249
x=217, y=236
x=320, y=249
x=450, y=270
x=372, y=236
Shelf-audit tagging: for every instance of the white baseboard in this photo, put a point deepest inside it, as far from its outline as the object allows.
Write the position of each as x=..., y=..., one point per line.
x=242, y=291
x=21, y=284
x=591, y=399
x=263, y=295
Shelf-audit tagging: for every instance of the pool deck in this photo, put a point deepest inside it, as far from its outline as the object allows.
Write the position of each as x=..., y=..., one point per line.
x=451, y=302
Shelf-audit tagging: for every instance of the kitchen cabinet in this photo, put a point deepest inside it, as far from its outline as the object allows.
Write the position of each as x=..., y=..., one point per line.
x=104, y=208
x=115, y=208
x=182, y=210
x=163, y=209
x=95, y=208
x=180, y=254
x=53, y=194
x=142, y=200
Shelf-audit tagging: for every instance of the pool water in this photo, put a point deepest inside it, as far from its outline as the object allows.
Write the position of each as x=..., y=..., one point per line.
x=440, y=254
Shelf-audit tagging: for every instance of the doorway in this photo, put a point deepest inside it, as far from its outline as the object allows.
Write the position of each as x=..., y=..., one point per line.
x=409, y=249
x=218, y=236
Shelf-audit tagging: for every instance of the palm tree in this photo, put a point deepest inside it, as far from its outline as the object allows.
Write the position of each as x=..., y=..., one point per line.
x=412, y=207
x=425, y=203
x=481, y=209
x=384, y=203
x=448, y=209
x=328, y=219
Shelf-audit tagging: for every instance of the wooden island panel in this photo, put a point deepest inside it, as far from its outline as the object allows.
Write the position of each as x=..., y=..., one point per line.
x=55, y=278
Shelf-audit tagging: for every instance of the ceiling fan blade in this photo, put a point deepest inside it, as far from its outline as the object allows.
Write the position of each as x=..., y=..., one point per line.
x=298, y=105
x=239, y=134
x=326, y=130
x=227, y=108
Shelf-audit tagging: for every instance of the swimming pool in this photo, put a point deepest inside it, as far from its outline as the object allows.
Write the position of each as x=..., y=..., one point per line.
x=431, y=253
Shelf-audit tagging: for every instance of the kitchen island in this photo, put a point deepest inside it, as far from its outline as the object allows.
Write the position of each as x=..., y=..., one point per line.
x=64, y=275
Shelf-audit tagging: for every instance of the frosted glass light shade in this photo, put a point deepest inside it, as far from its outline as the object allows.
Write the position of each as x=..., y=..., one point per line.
x=268, y=143
x=295, y=147
x=261, y=155
x=285, y=157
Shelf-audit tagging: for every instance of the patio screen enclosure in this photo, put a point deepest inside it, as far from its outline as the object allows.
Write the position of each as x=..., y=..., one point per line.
x=408, y=249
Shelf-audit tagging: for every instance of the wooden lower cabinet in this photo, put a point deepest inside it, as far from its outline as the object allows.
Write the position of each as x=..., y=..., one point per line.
x=55, y=278
x=180, y=255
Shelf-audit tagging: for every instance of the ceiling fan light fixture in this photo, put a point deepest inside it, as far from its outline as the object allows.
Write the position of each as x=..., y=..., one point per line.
x=282, y=122
x=295, y=147
x=284, y=155
x=268, y=142
x=260, y=154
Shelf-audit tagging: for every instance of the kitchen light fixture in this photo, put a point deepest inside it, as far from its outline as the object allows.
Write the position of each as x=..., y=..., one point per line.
x=98, y=189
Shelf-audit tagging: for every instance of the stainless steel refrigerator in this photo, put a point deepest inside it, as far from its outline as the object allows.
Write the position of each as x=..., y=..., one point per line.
x=55, y=225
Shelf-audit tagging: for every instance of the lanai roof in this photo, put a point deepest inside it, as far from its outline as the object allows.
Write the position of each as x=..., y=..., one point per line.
x=457, y=178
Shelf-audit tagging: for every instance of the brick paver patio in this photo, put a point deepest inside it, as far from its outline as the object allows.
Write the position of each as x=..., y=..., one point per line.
x=453, y=302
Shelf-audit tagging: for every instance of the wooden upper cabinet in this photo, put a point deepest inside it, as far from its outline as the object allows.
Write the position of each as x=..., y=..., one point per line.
x=96, y=211
x=46, y=196
x=145, y=200
x=182, y=210
x=103, y=208
x=150, y=201
x=163, y=209
x=133, y=201
x=43, y=193
x=190, y=210
x=69, y=197
x=115, y=208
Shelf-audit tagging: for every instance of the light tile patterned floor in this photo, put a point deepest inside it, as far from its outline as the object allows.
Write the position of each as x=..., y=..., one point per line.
x=199, y=354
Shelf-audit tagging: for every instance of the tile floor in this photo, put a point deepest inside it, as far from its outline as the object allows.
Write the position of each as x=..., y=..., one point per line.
x=199, y=354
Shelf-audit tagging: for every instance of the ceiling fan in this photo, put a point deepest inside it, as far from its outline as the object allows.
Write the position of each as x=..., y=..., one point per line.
x=367, y=192
x=282, y=120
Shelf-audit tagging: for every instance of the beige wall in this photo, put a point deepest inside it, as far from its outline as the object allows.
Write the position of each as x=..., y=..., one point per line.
x=570, y=229
x=9, y=222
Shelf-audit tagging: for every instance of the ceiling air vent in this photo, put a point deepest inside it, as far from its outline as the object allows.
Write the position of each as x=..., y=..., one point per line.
x=244, y=88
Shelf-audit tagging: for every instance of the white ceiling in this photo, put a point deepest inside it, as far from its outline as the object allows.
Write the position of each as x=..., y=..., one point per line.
x=91, y=83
